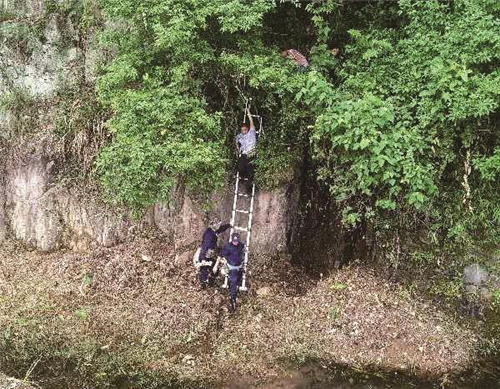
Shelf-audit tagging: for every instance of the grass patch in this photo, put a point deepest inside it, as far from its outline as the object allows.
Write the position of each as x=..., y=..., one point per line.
x=449, y=289
x=338, y=286
x=334, y=314
x=496, y=298
x=22, y=109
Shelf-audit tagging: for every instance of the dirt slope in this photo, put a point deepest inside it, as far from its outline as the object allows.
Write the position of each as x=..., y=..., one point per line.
x=135, y=311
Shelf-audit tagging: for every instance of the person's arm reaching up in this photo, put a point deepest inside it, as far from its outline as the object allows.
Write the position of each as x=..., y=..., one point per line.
x=222, y=228
x=252, y=127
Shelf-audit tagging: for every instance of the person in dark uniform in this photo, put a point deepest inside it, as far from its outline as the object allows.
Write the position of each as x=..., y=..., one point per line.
x=208, y=251
x=233, y=253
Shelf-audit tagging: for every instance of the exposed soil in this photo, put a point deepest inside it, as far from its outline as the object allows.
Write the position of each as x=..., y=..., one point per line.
x=140, y=306
x=12, y=383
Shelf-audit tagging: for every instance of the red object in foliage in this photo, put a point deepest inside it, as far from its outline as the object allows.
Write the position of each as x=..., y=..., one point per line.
x=293, y=54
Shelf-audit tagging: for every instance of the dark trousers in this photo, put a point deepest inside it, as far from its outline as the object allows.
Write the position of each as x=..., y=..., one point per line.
x=207, y=272
x=234, y=282
x=246, y=166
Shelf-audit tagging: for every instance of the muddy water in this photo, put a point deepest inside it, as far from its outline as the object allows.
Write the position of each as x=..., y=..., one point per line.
x=313, y=377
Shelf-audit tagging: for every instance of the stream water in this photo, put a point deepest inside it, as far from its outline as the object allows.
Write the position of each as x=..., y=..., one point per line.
x=314, y=378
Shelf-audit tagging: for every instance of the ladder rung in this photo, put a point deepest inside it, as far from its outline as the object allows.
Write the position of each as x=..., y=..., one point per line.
x=243, y=195
x=241, y=211
x=241, y=228
x=243, y=179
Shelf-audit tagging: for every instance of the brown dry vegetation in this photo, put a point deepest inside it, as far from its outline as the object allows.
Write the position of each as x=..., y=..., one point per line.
x=135, y=313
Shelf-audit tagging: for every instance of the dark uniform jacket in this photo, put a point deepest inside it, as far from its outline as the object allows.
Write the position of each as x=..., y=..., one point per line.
x=233, y=254
x=209, y=240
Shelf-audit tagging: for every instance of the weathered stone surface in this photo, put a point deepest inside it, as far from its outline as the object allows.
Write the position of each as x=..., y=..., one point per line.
x=84, y=219
x=48, y=216
x=475, y=275
x=3, y=226
x=486, y=293
x=32, y=212
x=41, y=72
x=25, y=7
x=273, y=220
x=472, y=289
x=183, y=223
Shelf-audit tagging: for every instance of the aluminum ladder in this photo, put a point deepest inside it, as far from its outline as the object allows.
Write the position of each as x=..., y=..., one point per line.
x=243, y=210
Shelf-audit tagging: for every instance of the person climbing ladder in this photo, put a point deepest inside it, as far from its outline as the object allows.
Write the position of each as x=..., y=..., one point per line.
x=233, y=254
x=242, y=212
x=234, y=257
x=246, y=142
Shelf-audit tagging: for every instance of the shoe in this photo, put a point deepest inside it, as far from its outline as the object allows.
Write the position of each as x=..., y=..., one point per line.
x=203, y=285
x=232, y=305
x=248, y=187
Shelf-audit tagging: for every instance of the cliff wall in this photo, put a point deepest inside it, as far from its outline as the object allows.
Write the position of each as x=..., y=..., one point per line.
x=46, y=50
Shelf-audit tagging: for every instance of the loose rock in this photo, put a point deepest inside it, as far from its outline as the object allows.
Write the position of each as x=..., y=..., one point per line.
x=475, y=275
x=264, y=291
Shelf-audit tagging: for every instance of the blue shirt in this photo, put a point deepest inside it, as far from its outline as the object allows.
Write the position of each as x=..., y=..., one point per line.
x=233, y=254
x=247, y=141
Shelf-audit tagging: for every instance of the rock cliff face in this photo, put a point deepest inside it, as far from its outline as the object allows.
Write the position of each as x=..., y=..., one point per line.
x=272, y=222
x=48, y=215
x=45, y=214
x=35, y=206
x=40, y=61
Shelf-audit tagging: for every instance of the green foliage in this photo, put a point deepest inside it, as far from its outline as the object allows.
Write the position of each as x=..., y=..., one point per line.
x=82, y=313
x=79, y=124
x=401, y=125
x=87, y=279
x=21, y=109
x=450, y=289
x=275, y=168
x=176, y=63
x=17, y=35
x=334, y=314
x=422, y=259
x=338, y=286
x=496, y=298
x=160, y=136
x=392, y=136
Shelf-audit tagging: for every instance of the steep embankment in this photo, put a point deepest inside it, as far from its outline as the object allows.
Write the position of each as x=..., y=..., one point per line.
x=134, y=314
x=43, y=206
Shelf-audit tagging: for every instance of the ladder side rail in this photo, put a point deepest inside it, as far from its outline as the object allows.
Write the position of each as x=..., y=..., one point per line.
x=233, y=219
x=235, y=200
x=250, y=215
x=247, y=248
